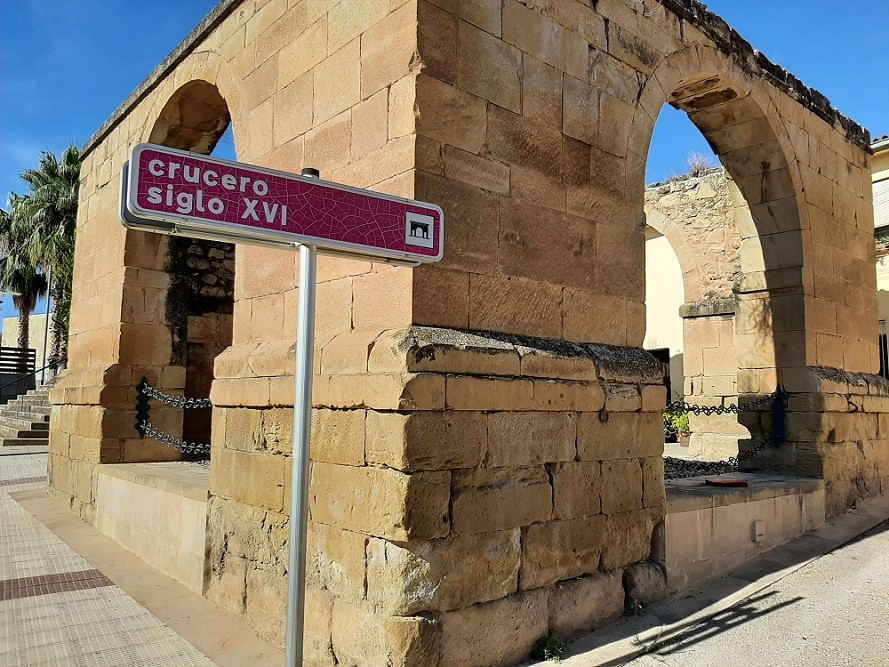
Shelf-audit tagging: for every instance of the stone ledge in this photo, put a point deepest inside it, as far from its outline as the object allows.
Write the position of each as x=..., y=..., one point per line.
x=441, y=350
x=849, y=382
x=178, y=478
x=708, y=308
x=691, y=493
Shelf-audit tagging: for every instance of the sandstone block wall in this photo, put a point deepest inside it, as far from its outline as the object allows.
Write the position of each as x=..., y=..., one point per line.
x=697, y=214
x=463, y=480
x=837, y=430
x=529, y=125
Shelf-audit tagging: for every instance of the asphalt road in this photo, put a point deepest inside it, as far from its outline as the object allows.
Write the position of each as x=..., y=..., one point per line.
x=833, y=612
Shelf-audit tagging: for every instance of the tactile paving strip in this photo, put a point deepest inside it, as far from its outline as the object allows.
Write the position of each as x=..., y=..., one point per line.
x=45, y=584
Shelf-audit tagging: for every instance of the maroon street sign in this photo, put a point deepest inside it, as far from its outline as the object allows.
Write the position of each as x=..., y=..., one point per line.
x=173, y=191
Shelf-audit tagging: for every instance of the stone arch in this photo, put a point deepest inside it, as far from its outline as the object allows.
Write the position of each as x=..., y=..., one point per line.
x=695, y=219
x=193, y=119
x=193, y=291
x=744, y=129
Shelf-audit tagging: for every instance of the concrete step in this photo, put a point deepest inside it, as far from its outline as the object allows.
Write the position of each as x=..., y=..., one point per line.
x=34, y=409
x=26, y=423
x=23, y=442
x=29, y=416
x=12, y=432
x=12, y=407
x=31, y=400
x=19, y=405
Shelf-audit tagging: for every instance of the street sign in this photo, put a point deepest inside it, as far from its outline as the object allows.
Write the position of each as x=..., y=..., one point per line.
x=170, y=192
x=173, y=191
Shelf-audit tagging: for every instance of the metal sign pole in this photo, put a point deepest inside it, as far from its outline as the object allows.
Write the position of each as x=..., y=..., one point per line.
x=302, y=432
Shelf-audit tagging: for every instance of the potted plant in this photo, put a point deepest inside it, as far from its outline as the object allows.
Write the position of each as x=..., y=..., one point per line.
x=676, y=424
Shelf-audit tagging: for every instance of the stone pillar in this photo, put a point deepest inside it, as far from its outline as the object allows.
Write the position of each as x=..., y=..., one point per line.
x=711, y=369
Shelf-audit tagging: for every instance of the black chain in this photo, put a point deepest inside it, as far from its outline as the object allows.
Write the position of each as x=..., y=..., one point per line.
x=177, y=401
x=192, y=450
x=678, y=468
x=722, y=409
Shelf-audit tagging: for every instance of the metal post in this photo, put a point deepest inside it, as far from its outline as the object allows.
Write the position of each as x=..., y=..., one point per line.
x=46, y=324
x=302, y=430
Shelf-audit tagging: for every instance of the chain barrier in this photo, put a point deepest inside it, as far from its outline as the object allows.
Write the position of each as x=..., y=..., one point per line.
x=176, y=401
x=675, y=468
x=195, y=450
x=723, y=409
x=191, y=451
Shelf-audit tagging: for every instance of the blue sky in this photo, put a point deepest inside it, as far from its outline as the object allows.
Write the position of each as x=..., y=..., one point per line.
x=66, y=65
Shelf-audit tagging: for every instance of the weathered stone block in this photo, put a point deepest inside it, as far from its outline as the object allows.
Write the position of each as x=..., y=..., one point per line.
x=450, y=115
x=583, y=604
x=442, y=575
x=387, y=49
x=266, y=596
x=527, y=438
x=381, y=502
x=562, y=396
x=514, y=305
x=576, y=489
x=653, y=493
x=580, y=113
x=622, y=398
x=629, y=537
x=426, y=440
x=340, y=559
x=621, y=485
x=475, y=170
x=560, y=550
x=338, y=436
x=361, y=637
x=470, y=211
x=645, y=583
x=318, y=628
x=489, y=67
x=227, y=585
x=542, y=93
x=370, y=125
x=437, y=41
x=467, y=392
x=522, y=142
x=337, y=82
x=488, y=499
x=518, y=621
x=623, y=435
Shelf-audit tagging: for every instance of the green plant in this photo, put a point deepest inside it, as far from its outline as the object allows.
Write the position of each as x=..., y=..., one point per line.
x=43, y=225
x=676, y=421
x=549, y=648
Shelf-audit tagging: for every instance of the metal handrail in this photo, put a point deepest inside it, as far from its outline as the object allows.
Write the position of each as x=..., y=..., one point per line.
x=57, y=362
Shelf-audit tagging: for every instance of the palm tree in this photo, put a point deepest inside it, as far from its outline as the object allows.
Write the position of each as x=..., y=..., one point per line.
x=46, y=217
x=17, y=274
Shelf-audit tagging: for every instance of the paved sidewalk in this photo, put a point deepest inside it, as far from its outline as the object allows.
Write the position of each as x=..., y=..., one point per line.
x=60, y=606
x=55, y=607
